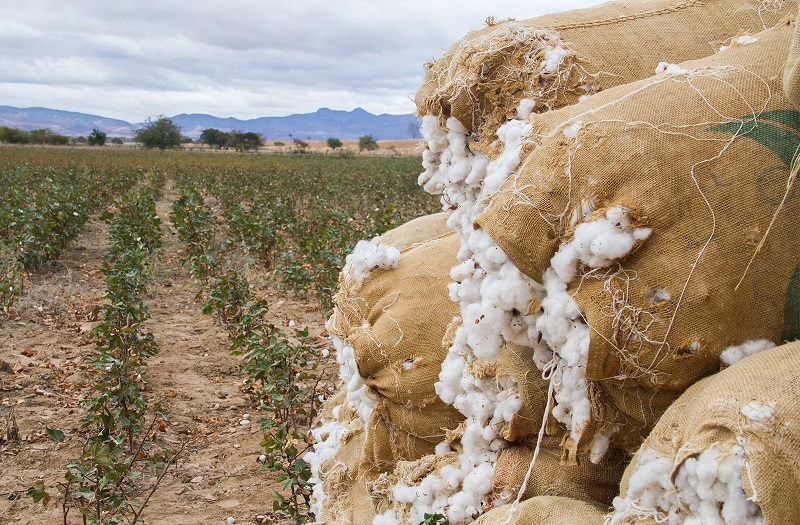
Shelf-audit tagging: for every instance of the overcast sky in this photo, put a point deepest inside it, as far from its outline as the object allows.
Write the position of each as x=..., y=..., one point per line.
x=240, y=58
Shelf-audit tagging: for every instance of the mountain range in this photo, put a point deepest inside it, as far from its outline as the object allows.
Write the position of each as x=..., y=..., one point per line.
x=320, y=125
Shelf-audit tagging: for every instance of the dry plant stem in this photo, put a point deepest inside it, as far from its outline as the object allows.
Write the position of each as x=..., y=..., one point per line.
x=139, y=512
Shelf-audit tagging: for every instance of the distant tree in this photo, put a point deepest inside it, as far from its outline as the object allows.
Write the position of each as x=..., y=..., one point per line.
x=81, y=140
x=46, y=136
x=117, y=141
x=58, y=140
x=242, y=141
x=161, y=133
x=14, y=135
x=301, y=145
x=96, y=138
x=413, y=130
x=186, y=139
x=278, y=143
x=214, y=138
x=367, y=143
x=334, y=143
x=39, y=136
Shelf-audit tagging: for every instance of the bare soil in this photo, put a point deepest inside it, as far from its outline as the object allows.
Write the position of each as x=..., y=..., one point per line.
x=45, y=377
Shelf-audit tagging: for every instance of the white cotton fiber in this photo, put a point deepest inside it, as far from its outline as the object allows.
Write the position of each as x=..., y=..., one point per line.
x=760, y=416
x=595, y=244
x=494, y=295
x=387, y=518
x=740, y=41
x=525, y=108
x=708, y=489
x=553, y=58
x=357, y=391
x=670, y=69
x=734, y=354
x=327, y=439
x=368, y=256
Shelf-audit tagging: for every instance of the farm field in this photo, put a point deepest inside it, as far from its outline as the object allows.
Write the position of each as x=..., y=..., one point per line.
x=153, y=313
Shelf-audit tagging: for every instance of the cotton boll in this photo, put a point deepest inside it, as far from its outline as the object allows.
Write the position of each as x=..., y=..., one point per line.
x=357, y=391
x=596, y=244
x=707, y=489
x=492, y=294
x=479, y=481
x=482, y=407
x=367, y=256
x=327, y=439
x=452, y=477
x=442, y=448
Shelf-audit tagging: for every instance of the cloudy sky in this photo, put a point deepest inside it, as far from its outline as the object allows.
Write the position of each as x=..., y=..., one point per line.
x=240, y=58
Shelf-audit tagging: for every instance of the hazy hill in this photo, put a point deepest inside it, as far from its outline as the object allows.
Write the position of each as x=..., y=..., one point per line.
x=319, y=125
x=62, y=122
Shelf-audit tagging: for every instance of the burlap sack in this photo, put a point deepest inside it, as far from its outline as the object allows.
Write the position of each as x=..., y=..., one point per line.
x=481, y=79
x=346, y=500
x=417, y=231
x=395, y=324
x=717, y=411
x=703, y=159
x=791, y=72
x=551, y=476
x=547, y=510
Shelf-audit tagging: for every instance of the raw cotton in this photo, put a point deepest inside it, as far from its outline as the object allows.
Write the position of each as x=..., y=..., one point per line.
x=727, y=452
x=554, y=60
x=709, y=253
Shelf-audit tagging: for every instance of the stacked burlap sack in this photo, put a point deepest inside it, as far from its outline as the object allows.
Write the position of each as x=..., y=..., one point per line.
x=643, y=231
x=726, y=452
x=699, y=161
x=556, y=59
x=389, y=320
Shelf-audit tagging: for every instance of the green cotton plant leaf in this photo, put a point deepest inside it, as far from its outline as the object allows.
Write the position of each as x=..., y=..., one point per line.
x=781, y=141
x=55, y=434
x=39, y=493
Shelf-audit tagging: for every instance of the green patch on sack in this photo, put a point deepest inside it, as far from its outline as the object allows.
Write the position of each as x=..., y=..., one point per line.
x=781, y=141
x=791, y=310
x=779, y=131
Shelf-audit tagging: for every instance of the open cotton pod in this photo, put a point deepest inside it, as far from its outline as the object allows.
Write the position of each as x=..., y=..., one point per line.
x=726, y=452
x=660, y=219
x=544, y=63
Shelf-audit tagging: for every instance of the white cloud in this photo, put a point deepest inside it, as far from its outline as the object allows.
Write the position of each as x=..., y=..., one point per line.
x=242, y=58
